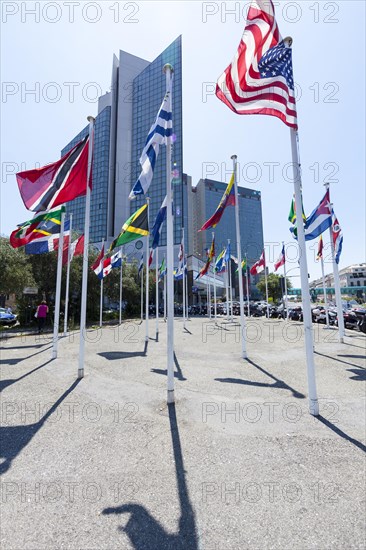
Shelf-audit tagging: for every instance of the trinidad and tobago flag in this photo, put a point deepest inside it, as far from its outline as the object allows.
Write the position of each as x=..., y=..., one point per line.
x=62, y=181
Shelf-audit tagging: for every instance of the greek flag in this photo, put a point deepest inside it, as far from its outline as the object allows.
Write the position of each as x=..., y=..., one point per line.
x=160, y=134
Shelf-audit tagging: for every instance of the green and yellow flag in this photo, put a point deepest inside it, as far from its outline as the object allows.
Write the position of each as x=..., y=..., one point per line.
x=135, y=227
x=243, y=265
x=292, y=214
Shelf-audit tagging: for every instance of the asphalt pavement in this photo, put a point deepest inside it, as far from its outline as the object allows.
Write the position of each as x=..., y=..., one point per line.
x=237, y=463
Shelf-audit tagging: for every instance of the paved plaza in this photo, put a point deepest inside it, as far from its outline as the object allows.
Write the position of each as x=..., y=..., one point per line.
x=237, y=463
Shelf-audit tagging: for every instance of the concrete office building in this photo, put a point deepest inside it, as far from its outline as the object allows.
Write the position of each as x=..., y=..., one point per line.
x=125, y=115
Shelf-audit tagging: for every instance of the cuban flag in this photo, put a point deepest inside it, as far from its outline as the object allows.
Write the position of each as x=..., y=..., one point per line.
x=160, y=134
x=319, y=220
x=281, y=260
x=337, y=238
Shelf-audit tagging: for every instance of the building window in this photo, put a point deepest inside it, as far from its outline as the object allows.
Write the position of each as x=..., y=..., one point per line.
x=358, y=283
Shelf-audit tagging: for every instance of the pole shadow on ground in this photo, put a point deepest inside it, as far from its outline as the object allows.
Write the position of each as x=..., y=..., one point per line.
x=16, y=361
x=341, y=433
x=177, y=374
x=5, y=383
x=114, y=355
x=278, y=383
x=24, y=347
x=339, y=360
x=15, y=438
x=143, y=530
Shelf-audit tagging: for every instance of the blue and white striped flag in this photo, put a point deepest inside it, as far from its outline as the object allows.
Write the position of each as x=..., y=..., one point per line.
x=160, y=134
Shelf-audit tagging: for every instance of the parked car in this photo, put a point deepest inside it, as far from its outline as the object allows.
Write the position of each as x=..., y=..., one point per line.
x=7, y=319
x=295, y=314
x=350, y=319
x=361, y=318
x=318, y=315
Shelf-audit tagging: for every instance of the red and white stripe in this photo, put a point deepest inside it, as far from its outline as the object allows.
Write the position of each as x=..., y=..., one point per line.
x=241, y=87
x=259, y=266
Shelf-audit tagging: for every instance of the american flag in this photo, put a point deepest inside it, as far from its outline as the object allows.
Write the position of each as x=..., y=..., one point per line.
x=259, y=80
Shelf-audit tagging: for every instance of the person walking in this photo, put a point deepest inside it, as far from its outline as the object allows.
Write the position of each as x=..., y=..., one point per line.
x=41, y=315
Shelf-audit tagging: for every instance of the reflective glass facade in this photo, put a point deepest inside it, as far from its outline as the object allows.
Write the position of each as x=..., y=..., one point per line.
x=149, y=88
x=99, y=195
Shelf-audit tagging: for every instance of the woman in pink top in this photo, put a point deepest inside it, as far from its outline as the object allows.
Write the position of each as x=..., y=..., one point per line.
x=42, y=311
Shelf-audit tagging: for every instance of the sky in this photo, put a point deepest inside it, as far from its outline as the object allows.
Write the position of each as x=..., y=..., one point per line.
x=56, y=58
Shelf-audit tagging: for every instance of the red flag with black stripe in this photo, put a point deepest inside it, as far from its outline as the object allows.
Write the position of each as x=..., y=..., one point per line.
x=56, y=183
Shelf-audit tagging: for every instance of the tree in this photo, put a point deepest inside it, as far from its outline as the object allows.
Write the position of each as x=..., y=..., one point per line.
x=16, y=272
x=275, y=290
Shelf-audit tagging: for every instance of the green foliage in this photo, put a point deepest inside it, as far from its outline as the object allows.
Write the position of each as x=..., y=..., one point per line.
x=40, y=270
x=16, y=272
x=274, y=286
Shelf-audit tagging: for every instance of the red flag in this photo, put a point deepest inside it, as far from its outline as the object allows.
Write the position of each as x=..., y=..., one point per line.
x=259, y=266
x=320, y=248
x=259, y=80
x=98, y=260
x=56, y=183
x=281, y=260
x=77, y=249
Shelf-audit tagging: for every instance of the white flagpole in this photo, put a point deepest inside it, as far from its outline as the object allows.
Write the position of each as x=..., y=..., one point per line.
x=209, y=292
x=214, y=280
x=101, y=293
x=325, y=291
x=247, y=279
x=142, y=293
x=120, y=287
x=238, y=244
x=164, y=279
x=305, y=291
x=187, y=296
x=231, y=290
x=184, y=282
x=227, y=285
x=101, y=304
x=214, y=284
x=85, y=255
x=147, y=281
x=337, y=286
x=58, y=288
x=168, y=70
x=265, y=279
x=68, y=280
x=157, y=290
x=284, y=271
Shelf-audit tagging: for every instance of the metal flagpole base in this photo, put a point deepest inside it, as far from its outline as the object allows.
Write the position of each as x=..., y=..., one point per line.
x=54, y=354
x=314, y=407
x=170, y=397
x=80, y=374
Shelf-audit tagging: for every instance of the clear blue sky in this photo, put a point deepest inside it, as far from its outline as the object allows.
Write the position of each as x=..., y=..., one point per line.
x=53, y=47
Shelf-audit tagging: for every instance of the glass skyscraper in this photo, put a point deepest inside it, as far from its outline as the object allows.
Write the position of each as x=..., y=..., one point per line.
x=125, y=115
x=208, y=194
